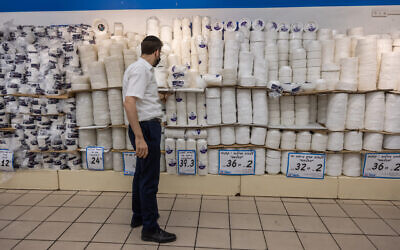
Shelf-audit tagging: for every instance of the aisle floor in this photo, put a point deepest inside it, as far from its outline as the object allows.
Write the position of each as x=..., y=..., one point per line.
x=100, y=220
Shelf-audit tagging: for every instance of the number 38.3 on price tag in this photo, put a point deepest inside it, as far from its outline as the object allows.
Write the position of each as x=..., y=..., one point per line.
x=306, y=165
x=382, y=165
x=95, y=158
x=6, y=160
x=187, y=162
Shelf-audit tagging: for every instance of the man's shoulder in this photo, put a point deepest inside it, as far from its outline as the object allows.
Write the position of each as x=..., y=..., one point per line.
x=134, y=66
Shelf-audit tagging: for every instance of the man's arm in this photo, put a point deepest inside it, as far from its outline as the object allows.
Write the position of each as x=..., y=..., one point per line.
x=131, y=111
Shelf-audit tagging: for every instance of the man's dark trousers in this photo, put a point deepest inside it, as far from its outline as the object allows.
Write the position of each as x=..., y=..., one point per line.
x=147, y=176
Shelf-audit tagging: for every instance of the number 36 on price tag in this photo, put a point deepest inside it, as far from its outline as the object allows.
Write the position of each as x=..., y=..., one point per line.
x=95, y=158
x=6, y=160
x=306, y=165
x=237, y=162
x=382, y=165
x=187, y=162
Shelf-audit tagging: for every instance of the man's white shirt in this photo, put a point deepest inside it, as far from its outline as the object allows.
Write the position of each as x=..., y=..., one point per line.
x=139, y=81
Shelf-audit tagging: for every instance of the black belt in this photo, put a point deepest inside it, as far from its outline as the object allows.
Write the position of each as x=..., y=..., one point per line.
x=153, y=120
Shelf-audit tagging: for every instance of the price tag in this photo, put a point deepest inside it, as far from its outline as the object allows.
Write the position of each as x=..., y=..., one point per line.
x=237, y=162
x=306, y=165
x=187, y=162
x=95, y=158
x=6, y=160
x=129, y=163
x=382, y=165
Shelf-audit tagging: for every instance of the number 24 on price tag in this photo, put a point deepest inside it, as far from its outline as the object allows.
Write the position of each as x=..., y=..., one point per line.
x=95, y=158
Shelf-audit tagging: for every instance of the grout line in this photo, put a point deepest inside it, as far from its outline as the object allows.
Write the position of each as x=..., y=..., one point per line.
x=383, y=220
x=198, y=223
x=73, y=195
x=130, y=228
x=41, y=222
x=329, y=231
x=294, y=228
x=229, y=220
x=76, y=217
x=104, y=222
x=262, y=228
x=169, y=215
x=352, y=219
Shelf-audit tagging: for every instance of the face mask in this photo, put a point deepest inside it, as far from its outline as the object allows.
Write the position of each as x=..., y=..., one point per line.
x=157, y=62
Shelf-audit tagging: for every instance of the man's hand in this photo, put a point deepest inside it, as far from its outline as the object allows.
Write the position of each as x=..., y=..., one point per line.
x=141, y=148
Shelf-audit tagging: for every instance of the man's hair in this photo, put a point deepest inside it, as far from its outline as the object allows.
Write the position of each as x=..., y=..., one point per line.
x=151, y=44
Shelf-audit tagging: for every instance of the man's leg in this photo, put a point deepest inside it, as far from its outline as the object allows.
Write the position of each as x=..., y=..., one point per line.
x=149, y=179
x=136, y=206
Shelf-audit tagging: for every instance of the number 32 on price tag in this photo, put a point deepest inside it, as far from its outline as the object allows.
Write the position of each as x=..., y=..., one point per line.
x=187, y=162
x=306, y=165
x=6, y=160
x=95, y=158
x=382, y=165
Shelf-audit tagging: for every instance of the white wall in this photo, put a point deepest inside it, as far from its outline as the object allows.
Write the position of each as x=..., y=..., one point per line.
x=339, y=18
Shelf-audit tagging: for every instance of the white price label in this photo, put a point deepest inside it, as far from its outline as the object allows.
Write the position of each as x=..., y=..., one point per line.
x=306, y=165
x=6, y=160
x=187, y=162
x=129, y=163
x=382, y=165
x=95, y=158
x=237, y=162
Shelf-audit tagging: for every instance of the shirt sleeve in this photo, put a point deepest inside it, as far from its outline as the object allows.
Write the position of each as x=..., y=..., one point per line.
x=137, y=83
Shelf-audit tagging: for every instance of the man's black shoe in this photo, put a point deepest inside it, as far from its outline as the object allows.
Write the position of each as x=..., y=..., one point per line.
x=160, y=236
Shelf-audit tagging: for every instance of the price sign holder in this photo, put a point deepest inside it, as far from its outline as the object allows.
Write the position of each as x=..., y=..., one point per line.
x=187, y=162
x=236, y=162
x=6, y=160
x=382, y=165
x=306, y=165
x=129, y=160
x=95, y=158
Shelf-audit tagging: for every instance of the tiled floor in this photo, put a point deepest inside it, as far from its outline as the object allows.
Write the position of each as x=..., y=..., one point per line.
x=70, y=220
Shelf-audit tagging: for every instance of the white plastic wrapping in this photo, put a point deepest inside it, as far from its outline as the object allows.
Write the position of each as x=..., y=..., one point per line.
x=214, y=136
x=336, y=112
x=355, y=111
x=352, y=164
x=353, y=140
x=228, y=100
x=260, y=107
x=258, y=135
x=273, y=139
x=213, y=155
x=260, y=161
x=334, y=164
x=392, y=113
x=373, y=141
x=228, y=135
x=242, y=134
x=273, y=162
x=375, y=111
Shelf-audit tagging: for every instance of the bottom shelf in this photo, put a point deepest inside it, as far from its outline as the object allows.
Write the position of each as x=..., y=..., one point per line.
x=30, y=179
x=266, y=185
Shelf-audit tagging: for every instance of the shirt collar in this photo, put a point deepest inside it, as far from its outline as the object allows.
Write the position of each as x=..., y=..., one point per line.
x=146, y=63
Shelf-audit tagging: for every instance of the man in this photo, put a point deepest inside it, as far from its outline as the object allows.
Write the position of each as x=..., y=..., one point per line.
x=143, y=109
